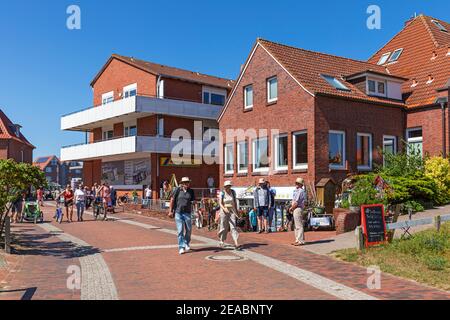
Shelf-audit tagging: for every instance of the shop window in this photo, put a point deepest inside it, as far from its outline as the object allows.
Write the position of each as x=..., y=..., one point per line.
x=229, y=159
x=364, y=151
x=242, y=160
x=336, y=149
x=300, y=150
x=281, y=152
x=260, y=150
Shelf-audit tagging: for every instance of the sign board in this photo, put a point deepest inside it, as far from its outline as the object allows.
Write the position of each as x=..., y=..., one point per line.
x=168, y=162
x=374, y=224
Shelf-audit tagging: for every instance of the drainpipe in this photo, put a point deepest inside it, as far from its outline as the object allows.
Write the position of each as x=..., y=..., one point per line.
x=444, y=136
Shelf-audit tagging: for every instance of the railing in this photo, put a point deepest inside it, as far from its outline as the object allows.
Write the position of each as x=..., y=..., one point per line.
x=139, y=95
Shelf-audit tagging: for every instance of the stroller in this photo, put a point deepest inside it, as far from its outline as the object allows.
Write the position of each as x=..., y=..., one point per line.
x=32, y=212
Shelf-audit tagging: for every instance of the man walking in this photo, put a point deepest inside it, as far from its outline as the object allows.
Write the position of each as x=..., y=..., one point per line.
x=297, y=206
x=272, y=194
x=181, y=207
x=261, y=197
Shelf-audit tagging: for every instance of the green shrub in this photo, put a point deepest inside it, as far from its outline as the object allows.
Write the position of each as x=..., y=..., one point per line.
x=363, y=193
x=435, y=263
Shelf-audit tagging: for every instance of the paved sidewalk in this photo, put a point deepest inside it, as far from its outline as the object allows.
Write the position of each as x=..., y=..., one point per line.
x=135, y=257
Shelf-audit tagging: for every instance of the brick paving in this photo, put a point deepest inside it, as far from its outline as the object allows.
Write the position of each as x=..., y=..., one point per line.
x=142, y=261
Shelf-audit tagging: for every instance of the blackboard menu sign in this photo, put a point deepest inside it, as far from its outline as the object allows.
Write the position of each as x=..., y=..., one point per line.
x=374, y=224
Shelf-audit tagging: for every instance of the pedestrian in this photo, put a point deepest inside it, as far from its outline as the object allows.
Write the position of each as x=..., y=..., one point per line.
x=210, y=184
x=181, y=207
x=17, y=208
x=253, y=220
x=68, y=196
x=106, y=196
x=272, y=194
x=80, y=202
x=88, y=195
x=297, y=207
x=228, y=215
x=113, y=197
x=40, y=196
x=261, y=198
x=147, y=196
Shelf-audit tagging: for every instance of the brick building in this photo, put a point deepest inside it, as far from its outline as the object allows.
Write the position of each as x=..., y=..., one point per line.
x=137, y=107
x=13, y=144
x=328, y=116
x=51, y=167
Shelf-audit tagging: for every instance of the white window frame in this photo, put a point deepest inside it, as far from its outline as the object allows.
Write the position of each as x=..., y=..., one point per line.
x=269, y=100
x=245, y=97
x=267, y=169
x=105, y=131
x=302, y=166
x=387, y=137
x=226, y=146
x=129, y=88
x=107, y=97
x=239, y=170
x=387, y=55
x=376, y=92
x=344, y=155
x=48, y=170
x=416, y=139
x=276, y=141
x=363, y=167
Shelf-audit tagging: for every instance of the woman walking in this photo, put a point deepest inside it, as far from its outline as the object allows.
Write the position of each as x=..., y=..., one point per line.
x=228, y=215
x=68, y=202
x=80, y=202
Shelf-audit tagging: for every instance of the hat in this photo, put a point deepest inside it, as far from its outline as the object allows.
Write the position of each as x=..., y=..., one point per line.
x=300, y=181
x=185, y=179
x=227, y=183
x=261, y=181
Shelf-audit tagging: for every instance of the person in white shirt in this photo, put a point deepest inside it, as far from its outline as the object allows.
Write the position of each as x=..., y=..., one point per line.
x=148, y=193
x=80, y=202
x=210, y=183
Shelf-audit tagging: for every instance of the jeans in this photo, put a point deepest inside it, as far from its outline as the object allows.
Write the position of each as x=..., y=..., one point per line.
x=184, y=228
x=80, y=209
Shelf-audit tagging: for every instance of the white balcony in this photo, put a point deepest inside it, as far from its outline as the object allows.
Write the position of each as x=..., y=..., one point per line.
x=129, y=148
x=136, y=107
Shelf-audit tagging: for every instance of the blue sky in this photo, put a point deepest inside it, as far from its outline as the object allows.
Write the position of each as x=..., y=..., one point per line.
x=45, y=69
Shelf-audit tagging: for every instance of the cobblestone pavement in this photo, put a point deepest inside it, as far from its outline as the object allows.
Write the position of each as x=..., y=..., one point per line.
x=136, y=257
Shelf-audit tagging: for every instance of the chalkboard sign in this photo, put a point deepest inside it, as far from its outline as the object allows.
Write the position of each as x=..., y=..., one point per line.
x=373, y=223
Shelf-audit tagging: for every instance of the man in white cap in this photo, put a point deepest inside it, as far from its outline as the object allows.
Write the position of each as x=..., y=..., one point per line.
x=297, y=206
x=181, y=207
x=261, y=198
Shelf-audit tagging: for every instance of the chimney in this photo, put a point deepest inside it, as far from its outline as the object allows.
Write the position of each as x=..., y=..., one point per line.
x=430, y=79
x=434, y=56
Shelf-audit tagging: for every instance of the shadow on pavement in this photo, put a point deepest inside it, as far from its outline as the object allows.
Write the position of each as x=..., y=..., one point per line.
x=27, y=295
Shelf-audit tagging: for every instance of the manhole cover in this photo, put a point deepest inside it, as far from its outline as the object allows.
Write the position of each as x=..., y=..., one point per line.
x=225, y=258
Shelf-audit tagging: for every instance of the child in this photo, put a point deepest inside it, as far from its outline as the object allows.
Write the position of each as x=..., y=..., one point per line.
x=253, y=220
x=59, y=212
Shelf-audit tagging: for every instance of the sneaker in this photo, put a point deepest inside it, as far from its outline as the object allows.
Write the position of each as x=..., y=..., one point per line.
x=181, y=251
x=187, y=248
x=260, y=231
x=221, y=244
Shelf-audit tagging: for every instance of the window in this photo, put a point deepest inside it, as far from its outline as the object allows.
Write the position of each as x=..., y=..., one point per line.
x=336, y=149
x=376, y=87
x=260, y=150
x=384, y=58
x=389, y=146
x=242, y=160
x=335, y=83
x=160, y=128
x=272, y=89
x=415, y=141
x=54, y=162
x=214, y=96
x=107, y=97
x=439, y=25
x=300, y=150
x=130, y=91
x=107, y=135
x=48, y=169
x=281, y=152
x=248, y=97
x=364, y=151
x=395, y=55
x=229, y=159
x=130, y=131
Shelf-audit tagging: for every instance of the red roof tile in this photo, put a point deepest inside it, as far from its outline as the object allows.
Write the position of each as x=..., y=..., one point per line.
x=159, y=69
x=7, y=130
x=420, y=39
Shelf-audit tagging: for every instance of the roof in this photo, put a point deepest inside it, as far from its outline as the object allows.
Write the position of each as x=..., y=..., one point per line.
x=43, y=162
x=7, y=130
x=162, y=70
x=421, y=40
x=307, y=67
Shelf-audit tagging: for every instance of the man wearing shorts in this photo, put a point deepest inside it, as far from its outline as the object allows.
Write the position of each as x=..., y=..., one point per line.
x=261, y=197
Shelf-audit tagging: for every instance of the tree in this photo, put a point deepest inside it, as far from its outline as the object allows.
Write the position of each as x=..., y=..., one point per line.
x=15, y=179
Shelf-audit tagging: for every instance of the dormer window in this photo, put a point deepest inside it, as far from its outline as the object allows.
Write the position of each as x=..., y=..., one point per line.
x=335, y=83
x=376, y=87
x=439, y=25
x=395, y=55
x=107, y=97
x=384, y=58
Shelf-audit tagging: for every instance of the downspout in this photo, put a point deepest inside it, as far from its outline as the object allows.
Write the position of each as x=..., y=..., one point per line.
x=444, y=136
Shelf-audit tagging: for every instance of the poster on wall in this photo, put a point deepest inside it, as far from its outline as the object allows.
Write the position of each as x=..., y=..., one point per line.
x=128, y=172
x=113, y=172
